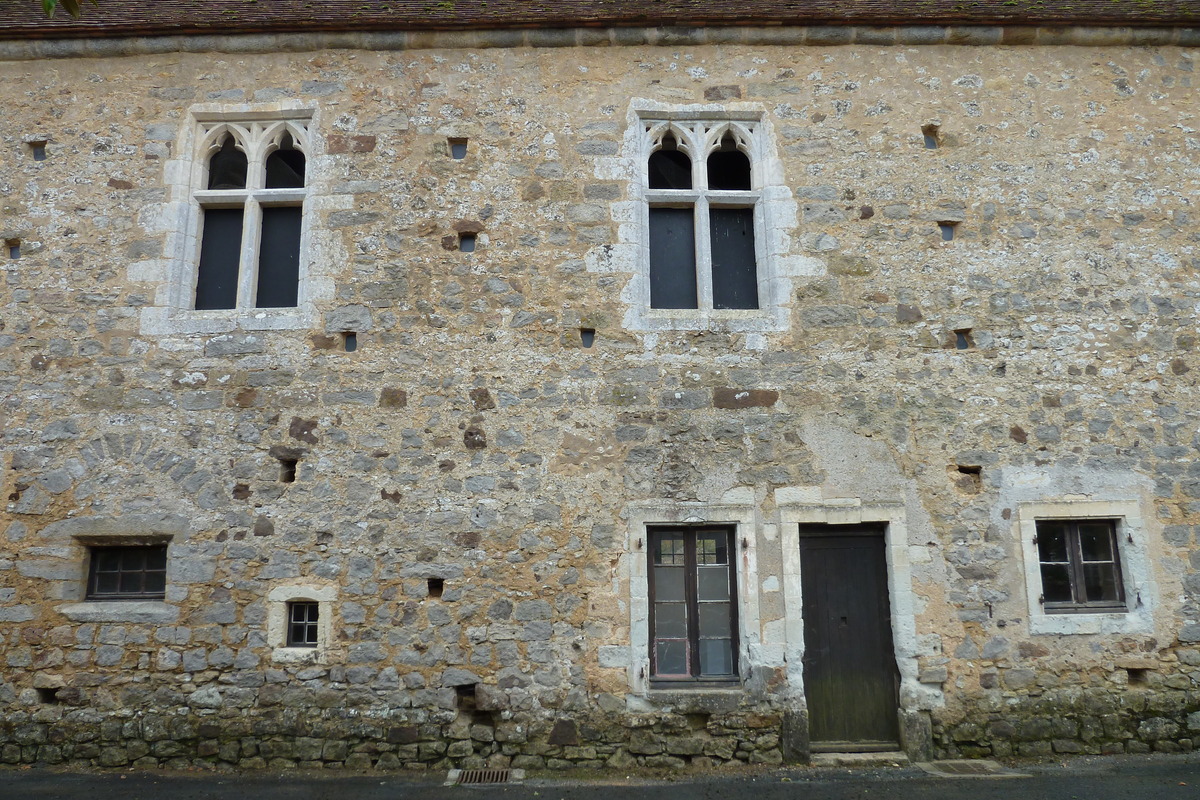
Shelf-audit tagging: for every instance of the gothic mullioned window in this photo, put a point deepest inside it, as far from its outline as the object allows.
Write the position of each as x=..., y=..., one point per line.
x=250, y=188
x=703, y=196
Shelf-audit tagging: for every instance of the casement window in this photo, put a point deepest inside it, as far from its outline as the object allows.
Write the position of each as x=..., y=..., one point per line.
x=703, y=215
x=127, y=573
x=303, y=617
x=693, y=617
x=1080, y=566
x=250, y=188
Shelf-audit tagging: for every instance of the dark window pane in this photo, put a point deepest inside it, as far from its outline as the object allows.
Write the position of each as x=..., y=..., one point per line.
x=106, y=583
x=669, y=552
x=670, y=621
x=713, y=583
x=1052, y=541
x=1096, y=541
x=716, y=657
x=672, y=258
x=734, y=271
x=107, y=561
x=1056, y=583
x=220, y=251
x=711, y=548
x=156, y=583
x=671, y=658
x=715, y=621
x=668, y=584
x=131, y=582
x=227, y=167
x=285, y=167
x=728, y=167
x=156, y=558
x=279, y=258
x=1101, y=583
x=668, y=168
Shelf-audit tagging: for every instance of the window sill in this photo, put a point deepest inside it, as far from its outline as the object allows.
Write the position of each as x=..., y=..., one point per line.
x=298, y=655
x=751, y=320
x=1126, y=622
x=159, y=320
x=697, y=698
x=153, y=611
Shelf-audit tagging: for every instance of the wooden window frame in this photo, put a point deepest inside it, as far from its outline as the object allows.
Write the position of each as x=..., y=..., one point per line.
x=309, y=624
x=1079, y=604
x=122, y=552
x=691, y=595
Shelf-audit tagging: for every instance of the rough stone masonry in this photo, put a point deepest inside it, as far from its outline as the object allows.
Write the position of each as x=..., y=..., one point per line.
x=977, y=267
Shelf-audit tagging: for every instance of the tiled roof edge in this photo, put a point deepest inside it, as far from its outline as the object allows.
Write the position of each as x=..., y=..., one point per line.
x=825, y=36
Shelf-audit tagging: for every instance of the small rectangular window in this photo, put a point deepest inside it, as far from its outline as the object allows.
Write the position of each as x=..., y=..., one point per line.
x=734, y=274
x=127, y=573
x=14, y=248
x=693, y=616
x=302, y=624
x=1080, y=566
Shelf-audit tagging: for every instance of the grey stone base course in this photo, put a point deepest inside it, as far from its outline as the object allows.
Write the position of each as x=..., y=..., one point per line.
x=1075, y=721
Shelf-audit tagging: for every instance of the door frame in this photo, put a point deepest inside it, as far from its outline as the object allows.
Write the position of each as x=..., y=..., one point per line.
x=916, y=699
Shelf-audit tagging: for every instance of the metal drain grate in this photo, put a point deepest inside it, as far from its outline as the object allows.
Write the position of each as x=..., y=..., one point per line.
x=969, y=768
x=483, y=776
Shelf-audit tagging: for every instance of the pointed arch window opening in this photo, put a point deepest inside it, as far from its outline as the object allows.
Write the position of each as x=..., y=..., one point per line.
x=250, y=218
x=702, y=207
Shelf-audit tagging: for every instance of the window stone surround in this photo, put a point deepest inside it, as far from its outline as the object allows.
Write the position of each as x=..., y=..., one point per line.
x=277, y=622
x=633, y=572
x=1141, y=590
x=178, y=219
x=775, y=221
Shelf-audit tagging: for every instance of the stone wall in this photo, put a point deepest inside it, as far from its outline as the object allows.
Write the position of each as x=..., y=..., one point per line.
x=471, y=437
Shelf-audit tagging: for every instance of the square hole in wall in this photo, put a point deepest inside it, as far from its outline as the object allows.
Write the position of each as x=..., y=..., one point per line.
x=932, y=136
x=14, y=248
x=38, y=149
x=466, y=242
x=947, y=229
x=435, y=587
x=458, y=148
x=349, y=341
x=587, y=336
x=287, y=470
x=963, y=339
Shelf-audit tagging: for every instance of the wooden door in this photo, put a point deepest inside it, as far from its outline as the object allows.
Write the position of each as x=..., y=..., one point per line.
x=850, y=676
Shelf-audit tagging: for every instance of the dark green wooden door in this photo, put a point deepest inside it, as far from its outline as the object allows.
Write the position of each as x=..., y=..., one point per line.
x=850, y=677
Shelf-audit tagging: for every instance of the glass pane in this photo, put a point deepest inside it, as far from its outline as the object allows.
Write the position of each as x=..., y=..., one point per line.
x=712, y=548
x=1100, y=582
x=285, y=167
x=714, y=620
x=106, y=583
x=133, y=559
x=227, y=168
x=716, y=657
x=668, y=168
x=713, y=583
x=156, y=558
x=297, y=612
x=670, y=658
x=131, y=582
x=673, y=258
x=1052, y=541
x=156, y=583
x=669, y=552
x=728, y=167
x=668, y=584
x=279, y=258
x=1096, y=541
x=1056, y=583
x=107, y=561
x=313, y=612
x=297, y=634
x=670, y=621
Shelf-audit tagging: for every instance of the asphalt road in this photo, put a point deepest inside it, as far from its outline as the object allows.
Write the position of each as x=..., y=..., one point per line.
x=1157, y=777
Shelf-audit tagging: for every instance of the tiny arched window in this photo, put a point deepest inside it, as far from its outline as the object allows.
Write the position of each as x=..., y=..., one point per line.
x=668, y=167
x=285, y=167
x=227, y=167
x=728, y=167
